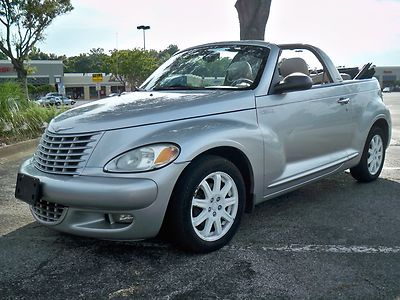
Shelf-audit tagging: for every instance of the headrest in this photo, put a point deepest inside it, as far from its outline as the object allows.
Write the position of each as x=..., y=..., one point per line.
x=239, y=69
x=292, y=65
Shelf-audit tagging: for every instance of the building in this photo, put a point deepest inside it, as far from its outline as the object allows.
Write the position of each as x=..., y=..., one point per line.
x=388, y=76
x=42, y=71
x=74, y=85
x=82, y=86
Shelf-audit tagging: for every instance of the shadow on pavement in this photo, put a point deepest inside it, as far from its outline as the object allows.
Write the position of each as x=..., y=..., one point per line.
x=335, y=209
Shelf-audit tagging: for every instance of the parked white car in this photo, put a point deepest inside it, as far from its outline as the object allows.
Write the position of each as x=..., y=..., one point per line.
x=55, y=100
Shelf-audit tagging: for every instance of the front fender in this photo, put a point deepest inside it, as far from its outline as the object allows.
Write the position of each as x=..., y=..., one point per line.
x=195, y=136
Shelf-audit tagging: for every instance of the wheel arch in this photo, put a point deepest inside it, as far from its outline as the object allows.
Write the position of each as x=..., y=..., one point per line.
x=383, y=124
x=239, y=159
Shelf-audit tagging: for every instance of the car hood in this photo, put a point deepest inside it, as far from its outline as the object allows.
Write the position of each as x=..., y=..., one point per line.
x=143, y=108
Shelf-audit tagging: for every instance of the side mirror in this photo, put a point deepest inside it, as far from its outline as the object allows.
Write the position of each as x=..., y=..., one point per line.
x=294, y=82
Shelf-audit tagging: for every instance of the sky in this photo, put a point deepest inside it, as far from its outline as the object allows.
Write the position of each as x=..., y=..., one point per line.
x=351, y=32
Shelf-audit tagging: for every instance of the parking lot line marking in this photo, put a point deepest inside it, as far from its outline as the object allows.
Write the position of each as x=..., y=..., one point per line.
x=335, y=249
x=323, y=249
x=391, y=168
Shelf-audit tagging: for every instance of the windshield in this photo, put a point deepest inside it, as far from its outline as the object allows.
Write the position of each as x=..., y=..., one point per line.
x=212, y=67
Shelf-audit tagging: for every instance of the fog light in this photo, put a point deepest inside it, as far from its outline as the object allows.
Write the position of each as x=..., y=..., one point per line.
x=121, y=218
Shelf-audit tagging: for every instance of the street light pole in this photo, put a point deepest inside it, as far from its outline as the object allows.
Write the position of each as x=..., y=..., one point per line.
x=144, y=28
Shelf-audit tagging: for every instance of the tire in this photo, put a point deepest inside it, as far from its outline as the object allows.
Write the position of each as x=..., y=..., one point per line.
x=370, y=166
x=202, y=216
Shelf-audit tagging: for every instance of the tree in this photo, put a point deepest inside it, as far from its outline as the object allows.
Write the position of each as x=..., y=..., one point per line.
x=37, y=54
x=253, y=17
x=2, y=55
x=22, y=25
x=78, y=64
x=98, y=60
x=132, y=66
x=93, y=62
x=167, y=53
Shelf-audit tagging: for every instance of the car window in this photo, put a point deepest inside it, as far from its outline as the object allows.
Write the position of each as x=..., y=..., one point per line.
x=213, y=67
x=303, y=61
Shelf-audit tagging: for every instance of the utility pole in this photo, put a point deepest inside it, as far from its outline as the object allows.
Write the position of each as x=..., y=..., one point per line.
x=144, y=28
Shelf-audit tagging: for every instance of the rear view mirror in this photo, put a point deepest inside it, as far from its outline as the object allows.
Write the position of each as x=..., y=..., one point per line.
x=294, y=82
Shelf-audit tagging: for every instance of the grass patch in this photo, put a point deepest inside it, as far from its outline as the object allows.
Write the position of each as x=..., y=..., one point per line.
x=21, y=119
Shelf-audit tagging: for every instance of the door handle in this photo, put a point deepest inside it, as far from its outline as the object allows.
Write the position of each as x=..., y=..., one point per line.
x=343, y=100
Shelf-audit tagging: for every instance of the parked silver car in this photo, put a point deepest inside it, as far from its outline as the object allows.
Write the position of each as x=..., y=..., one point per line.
x=213, y=132
x=51, y=99
x=67, y=101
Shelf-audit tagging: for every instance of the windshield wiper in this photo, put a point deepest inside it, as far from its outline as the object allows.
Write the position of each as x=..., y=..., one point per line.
x=176, y=87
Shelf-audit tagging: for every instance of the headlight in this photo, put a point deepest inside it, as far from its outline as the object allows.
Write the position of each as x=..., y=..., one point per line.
x=143, y=159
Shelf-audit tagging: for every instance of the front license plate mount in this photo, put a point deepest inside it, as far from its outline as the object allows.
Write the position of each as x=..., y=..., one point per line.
x=27, y=188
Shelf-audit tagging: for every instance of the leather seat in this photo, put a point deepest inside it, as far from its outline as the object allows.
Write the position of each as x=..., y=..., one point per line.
x=293, y=65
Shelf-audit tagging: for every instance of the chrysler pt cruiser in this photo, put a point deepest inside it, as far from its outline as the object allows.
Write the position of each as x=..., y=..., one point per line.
x=214, y=131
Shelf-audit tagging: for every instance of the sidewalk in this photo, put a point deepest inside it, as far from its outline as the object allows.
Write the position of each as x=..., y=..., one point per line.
x=18, y=147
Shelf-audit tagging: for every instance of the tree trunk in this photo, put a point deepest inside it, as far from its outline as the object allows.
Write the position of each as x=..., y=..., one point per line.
x=253, y=17
x=22, y=75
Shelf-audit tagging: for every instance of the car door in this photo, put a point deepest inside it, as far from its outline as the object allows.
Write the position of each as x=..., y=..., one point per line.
x=307, y=133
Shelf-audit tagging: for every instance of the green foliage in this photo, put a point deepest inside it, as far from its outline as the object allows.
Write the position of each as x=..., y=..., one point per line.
x=39, y=90
x=96, y=61
x=93, y=62
x=36, y=117
x=22, y=25
x=216, y=68
x=12, y=99
x=133, y=66
x=21, y=119
x=37, y=54
x=167, y=53
x=2, y=55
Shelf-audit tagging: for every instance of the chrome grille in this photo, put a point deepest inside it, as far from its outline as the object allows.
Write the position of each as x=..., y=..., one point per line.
x=64, y=154
x=48, y=212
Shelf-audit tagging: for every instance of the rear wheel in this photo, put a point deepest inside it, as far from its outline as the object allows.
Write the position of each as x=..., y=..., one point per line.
x=373, y=157
x=207, y=204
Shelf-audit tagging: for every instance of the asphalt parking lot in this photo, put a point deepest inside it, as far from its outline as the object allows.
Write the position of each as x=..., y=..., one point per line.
x=335, y=239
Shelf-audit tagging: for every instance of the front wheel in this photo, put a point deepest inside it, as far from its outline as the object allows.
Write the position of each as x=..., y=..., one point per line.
x=370, y=166
x=207, y=204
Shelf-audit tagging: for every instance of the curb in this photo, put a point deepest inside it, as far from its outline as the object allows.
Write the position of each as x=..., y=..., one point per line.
x=18, y=147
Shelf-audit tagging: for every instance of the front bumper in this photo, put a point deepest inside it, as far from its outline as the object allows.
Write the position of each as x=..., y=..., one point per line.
x=88, y=201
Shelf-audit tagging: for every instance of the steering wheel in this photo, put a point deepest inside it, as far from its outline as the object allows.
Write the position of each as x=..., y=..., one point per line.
x=242, y=80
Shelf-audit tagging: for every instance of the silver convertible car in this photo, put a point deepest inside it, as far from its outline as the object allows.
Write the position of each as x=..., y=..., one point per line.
x=216, y=130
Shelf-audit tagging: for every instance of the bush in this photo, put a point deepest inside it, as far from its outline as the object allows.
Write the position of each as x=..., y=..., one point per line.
x=21, y=119
x=12, y=101
x=39, y=90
